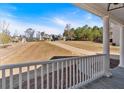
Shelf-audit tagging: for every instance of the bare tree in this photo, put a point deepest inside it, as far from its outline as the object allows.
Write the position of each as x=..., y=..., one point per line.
x=67, y=32
x=15, y=33
x=67, y=27
x=4, y=27
x=4, y=32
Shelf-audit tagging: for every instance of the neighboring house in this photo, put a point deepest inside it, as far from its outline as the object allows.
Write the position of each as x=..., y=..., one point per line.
x=19, y=39
x=24, y=40
x=16, y=39
x=44, y=36
x=115, y=34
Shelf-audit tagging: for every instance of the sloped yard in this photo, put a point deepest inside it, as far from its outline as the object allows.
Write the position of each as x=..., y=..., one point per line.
x=91, y=46
x=32, y=51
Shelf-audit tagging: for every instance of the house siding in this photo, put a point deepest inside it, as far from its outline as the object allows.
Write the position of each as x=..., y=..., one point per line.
x=115, y=29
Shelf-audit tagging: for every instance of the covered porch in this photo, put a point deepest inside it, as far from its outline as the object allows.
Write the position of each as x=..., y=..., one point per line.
x=110, y=13
x=77, y=72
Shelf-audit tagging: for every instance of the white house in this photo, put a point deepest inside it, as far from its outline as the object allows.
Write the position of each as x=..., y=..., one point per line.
x=115, y=34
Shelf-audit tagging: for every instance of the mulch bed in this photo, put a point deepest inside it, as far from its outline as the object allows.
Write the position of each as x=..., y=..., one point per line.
x=114, y=63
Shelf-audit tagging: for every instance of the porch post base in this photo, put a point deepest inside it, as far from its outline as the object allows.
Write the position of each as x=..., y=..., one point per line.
x=122, y=66
x=108, y=74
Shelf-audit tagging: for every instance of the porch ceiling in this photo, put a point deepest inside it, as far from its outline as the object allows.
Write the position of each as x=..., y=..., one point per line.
x=100, y=9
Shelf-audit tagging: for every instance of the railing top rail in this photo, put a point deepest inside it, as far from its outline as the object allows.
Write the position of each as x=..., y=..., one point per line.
x=43, y=62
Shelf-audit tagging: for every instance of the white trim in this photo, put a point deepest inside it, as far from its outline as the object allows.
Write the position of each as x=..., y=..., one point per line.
x=97, y=10
x=76, y=72
x=122, y=47
x=106, y=47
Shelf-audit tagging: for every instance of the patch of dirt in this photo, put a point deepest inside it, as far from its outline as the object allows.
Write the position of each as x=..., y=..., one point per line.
x=34, y=51
x=91, y=46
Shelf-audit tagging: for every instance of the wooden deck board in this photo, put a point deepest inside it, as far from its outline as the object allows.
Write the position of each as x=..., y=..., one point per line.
x=114, y=82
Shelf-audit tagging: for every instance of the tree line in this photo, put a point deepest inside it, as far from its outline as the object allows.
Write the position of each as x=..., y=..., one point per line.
x=84, y=33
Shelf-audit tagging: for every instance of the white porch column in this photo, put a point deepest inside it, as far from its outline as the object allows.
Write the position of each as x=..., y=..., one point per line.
x=122, y=46
x=106, y=49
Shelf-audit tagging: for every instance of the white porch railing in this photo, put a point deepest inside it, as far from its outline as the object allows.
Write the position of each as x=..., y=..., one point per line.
x=56, y=74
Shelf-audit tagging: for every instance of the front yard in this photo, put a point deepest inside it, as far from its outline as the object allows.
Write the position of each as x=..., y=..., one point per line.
x=91, y=46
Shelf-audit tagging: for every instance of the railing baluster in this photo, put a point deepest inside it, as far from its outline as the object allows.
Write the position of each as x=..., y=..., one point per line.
x=57, y=75
x=42, y=77
x=73, y=72
x=3, y=79
x=52, y=75
x=92, y=68
x=97, y=71
x=70, y=73
x=66, y=74
x=82, y=70
x=28, y=77
x=88, y=67
x=85, y=69
x=35, y=76
x=11, y=78
x=80, y=65
x=103, y=64
x=61, y=75
x=77, y=70
x=20, y=77
x=47, y=76
x=100, y=64
x=96, y=66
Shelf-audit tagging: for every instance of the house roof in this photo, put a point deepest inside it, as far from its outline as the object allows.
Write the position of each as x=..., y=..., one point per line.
x=101, y=9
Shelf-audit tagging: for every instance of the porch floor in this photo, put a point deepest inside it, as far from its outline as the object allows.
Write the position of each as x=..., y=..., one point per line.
x=114, y=82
